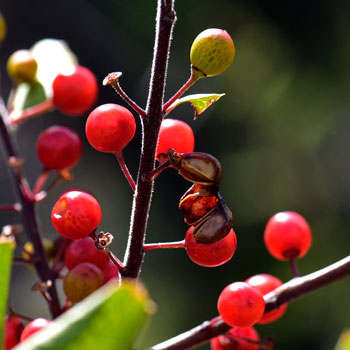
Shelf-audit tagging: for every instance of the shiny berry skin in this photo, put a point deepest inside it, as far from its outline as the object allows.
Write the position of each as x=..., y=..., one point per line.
x=241, y=305
x=13, y=328
x=110, y=127
x=210, y=255
x=212, y=51
x=59, y=148
x=76, y=214
x=266, y=283
x=84, y=250
x=81, y=281
x=287, y=235
x=75, y=93
x=22, y=67
x=33, y=327
x=175, y=134
x=110, y=272
x=231, y=340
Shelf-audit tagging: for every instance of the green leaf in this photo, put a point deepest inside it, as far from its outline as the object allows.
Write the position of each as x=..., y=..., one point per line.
x=344, y=340
x=200, y=102
x=53, y=57
x=107, y=319
x=6, y=251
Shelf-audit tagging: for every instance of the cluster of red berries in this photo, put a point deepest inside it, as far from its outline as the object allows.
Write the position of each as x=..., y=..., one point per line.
x=241, y=304
x=88, y=267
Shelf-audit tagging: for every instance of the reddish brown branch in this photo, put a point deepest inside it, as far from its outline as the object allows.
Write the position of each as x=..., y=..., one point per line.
x=150, y=130
x=29, y=215
x=295, y=288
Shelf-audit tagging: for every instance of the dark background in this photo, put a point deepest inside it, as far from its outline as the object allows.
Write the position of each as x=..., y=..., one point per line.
x=281, y=133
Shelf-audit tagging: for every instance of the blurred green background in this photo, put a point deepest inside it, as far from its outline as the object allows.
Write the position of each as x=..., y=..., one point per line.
x=281, y=133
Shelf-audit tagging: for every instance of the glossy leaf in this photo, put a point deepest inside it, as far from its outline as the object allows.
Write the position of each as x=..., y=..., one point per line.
x=200, y=102
x=344, y=340
x=6, y=251
x=108, y=319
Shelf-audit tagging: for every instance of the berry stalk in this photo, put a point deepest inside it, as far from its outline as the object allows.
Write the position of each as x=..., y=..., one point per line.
x=150, y=129
x=29, y=217
x=178, y=244
x=293, y=289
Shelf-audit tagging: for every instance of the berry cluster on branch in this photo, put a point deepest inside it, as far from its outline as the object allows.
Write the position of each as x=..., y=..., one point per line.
x=82, y=256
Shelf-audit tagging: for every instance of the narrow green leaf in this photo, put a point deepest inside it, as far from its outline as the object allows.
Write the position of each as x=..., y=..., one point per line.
x=200, y=102
x=6, y=251
x=108, y=319
x=344, y=340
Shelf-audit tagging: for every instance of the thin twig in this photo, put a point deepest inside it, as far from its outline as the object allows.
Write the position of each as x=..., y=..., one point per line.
x=191, y=81
x=29, y=215
x=125, y=170
x=113, y=80
x=163, y=245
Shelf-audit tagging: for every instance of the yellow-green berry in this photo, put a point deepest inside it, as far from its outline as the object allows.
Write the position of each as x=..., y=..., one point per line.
x=2, y=28
x=22, y=67
x=212, y=52
x=29, y=249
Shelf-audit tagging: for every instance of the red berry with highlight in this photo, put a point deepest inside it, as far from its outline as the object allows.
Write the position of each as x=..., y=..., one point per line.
x=110, y=272
x=59, y=148
x=234, y=339
x=241, y=305
x=81, y=281
x=33, y=327
x=175, y=134
x=76, y=214
x=75, y=93
x=110, y=127
x=84, y=250
x=213, y=254
x=266, y=283
x=13, y=328
x=287, y=235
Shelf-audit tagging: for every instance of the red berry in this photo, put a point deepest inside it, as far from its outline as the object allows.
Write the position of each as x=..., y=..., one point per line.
x=58, y=147
x=287, y=235
x=33, y=327
x=211, y=255
x=76, y=214
x=13, y=328
x=265, y=284
x=110, y=271
x=76, y=93
x=110, y=127
x=175, y=134
x=241, y=305
x=232, y=340
x=81, y=281
x=84, y=250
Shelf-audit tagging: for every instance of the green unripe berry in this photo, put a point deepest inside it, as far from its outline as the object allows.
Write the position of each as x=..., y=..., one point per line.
x=2, y=28
x=212, y=52
x=81, y=281
x=22, y=67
